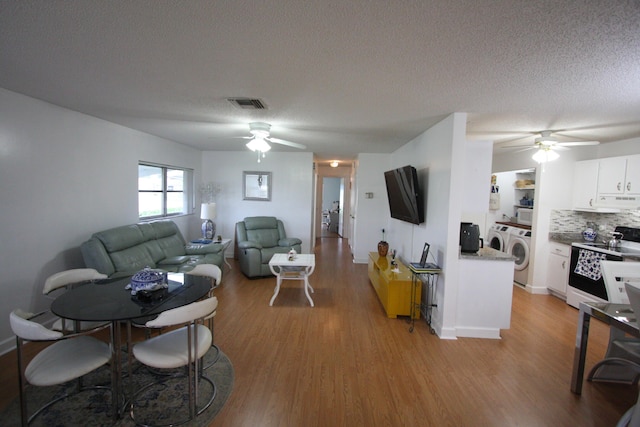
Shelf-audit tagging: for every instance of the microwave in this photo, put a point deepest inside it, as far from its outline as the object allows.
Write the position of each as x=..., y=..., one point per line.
x=525, y=216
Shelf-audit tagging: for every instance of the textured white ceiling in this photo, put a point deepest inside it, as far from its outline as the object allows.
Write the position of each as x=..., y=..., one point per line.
x=339, y=77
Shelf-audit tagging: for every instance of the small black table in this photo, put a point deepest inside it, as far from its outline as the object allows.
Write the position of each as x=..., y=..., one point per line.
x=108, y=301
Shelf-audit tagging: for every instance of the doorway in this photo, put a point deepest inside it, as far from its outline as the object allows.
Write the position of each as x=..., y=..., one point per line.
x=332, y=206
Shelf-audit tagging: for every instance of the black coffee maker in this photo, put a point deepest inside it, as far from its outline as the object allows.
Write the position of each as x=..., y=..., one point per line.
x=470, y=240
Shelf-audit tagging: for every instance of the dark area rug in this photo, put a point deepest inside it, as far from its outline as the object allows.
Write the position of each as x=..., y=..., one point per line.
x=93, y=407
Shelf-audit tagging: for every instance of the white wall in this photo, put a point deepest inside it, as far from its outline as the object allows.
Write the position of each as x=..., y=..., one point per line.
x=64, y=176
x=371, y=215
x=291, y=197
x=438, y=154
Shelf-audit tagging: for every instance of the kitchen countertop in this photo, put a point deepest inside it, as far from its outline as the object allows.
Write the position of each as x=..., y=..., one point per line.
x=565, y=238
x=515, y=224
x=568, y=238
x=487, y=254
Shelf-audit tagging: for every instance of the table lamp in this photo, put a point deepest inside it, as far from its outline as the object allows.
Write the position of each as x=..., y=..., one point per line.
x=208, y=213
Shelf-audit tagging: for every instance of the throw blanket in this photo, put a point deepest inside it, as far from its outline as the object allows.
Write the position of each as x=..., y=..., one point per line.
x=589, y=264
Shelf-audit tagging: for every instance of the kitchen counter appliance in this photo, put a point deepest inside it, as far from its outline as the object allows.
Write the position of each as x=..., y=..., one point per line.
x=586, y=283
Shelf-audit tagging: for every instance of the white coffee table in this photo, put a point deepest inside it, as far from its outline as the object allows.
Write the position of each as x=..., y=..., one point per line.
x=300, y=268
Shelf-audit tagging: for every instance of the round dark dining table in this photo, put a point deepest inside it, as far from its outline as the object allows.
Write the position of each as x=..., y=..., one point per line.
x=108, y=300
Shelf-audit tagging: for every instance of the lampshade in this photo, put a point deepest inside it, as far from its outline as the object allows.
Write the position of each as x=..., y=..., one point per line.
x=208, y=211
x=545, y=155
x=258, y=144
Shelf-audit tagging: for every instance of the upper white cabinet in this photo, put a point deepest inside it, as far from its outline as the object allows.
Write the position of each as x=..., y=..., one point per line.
x=632, y=185
x=619, y=183
x=619, y=175
x=607, y=185
x=585, y=184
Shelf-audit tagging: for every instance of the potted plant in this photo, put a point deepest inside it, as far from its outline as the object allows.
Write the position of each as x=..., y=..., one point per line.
x=383, y=246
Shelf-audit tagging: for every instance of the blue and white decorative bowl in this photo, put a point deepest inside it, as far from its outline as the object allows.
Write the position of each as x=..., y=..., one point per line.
x=148, y=280
x=589, y=235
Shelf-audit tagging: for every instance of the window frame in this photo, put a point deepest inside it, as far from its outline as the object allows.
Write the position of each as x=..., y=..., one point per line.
x=187, y=191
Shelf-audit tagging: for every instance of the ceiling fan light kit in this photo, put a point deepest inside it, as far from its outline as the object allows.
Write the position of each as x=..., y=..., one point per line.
x=545, y=154
x=260, y=138
x=547, y=144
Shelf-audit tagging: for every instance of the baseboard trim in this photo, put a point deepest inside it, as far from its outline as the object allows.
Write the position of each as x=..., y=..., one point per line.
x=471, y=332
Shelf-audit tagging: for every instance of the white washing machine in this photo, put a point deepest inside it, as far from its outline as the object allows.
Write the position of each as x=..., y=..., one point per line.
x=498, y=237
x=519, y=246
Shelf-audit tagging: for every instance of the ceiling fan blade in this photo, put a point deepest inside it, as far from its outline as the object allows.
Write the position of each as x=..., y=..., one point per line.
x=576, y=143
x=521, y=146
x=524, y=148
x=288, y=143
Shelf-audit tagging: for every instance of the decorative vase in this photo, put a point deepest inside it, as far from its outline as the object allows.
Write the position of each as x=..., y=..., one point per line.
x=383, y=248
x=589, y=235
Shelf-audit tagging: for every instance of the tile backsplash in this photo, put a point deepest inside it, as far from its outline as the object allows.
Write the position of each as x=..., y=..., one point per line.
x=568, y=221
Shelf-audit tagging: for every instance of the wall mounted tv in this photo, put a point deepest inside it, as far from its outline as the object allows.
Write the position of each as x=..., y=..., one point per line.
x=405, y=197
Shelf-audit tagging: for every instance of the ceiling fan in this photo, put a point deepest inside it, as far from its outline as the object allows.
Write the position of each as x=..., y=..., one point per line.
x=261, y=137
x=547, y=144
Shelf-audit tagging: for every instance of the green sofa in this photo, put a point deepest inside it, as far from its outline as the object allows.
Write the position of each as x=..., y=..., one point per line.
x=259, y=237
x=122, y=251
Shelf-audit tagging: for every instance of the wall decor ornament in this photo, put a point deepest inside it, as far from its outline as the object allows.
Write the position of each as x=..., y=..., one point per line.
x=209, y=191
x=256, y=185
x=383, y=246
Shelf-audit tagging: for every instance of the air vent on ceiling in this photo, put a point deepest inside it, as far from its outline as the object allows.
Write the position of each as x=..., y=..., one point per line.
x=247, y=103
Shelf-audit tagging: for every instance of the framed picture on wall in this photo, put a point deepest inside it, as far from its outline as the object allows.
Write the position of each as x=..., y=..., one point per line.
x=256, y=185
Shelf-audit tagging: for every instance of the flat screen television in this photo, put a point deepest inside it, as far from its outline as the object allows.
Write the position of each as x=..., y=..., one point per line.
x=405, y=197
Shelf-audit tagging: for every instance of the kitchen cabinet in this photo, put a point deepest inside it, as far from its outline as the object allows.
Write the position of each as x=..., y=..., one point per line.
x=619, y=182
x=619, y=175
x=585, y=184
x=632, y=185
x=612, y=177
x=558, y=268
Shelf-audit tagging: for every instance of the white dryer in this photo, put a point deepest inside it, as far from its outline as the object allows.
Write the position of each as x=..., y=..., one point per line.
x=498, y=237
x=519, y=246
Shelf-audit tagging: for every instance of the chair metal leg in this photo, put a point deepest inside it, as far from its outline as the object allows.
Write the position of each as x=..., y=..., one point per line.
x=21, y=383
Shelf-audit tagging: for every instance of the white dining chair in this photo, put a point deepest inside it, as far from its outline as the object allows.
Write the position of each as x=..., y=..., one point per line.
x=65, y=280
x=180, y=347
x=208, y=270
x=215, y=274
x=70, y=357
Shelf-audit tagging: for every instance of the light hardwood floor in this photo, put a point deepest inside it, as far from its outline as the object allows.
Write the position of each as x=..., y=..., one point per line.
x=343, y=363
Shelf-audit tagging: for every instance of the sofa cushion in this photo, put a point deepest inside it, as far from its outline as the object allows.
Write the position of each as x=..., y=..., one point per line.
x=132, y=259
x=164, y=229
x=95, y=255
x=262, y=229
x=155, y=251
x=119, y=238
x=172, y=245
x=175, y=260
x=266, y=237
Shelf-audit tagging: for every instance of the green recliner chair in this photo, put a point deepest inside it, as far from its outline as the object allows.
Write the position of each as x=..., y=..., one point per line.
x=258, y=238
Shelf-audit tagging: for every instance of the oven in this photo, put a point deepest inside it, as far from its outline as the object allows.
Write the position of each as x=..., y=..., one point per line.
x=584, y=272
x=586, y=283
